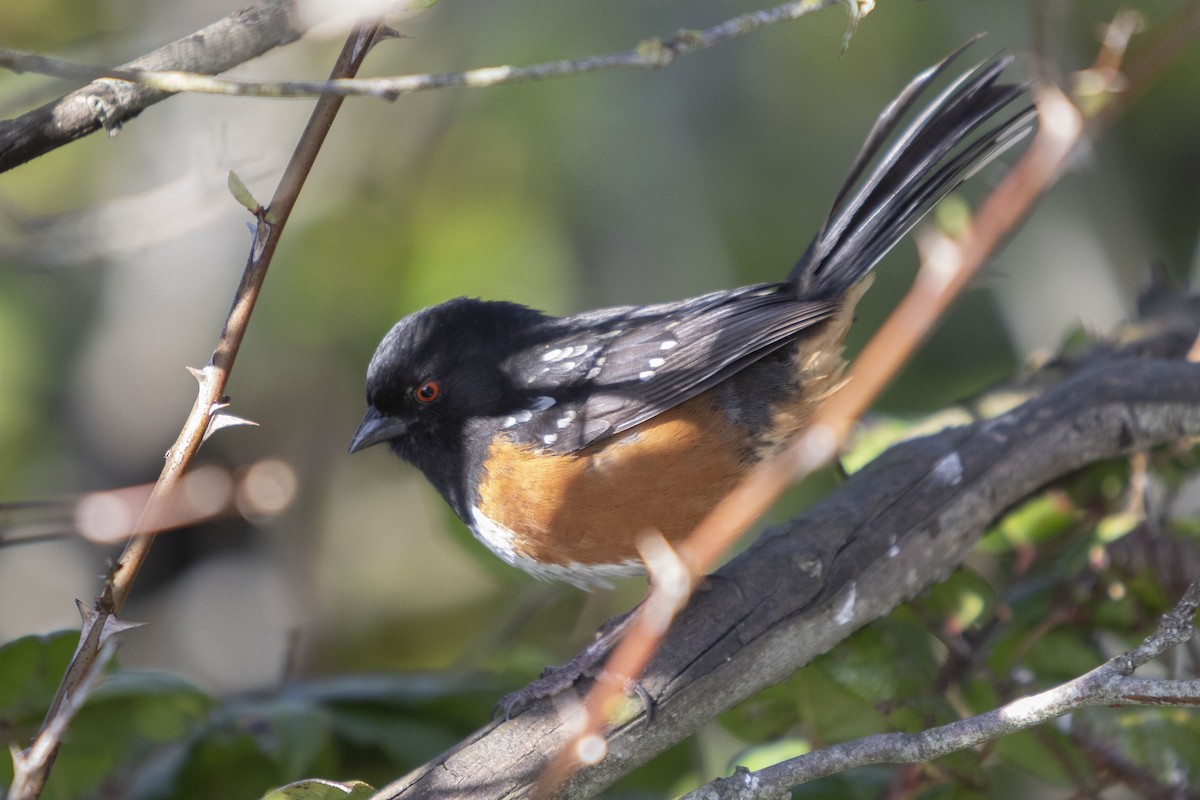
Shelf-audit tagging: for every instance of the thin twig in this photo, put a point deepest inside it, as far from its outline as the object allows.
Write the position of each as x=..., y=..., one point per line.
x=1108, y=684
x=648, y=54
x=102, y=622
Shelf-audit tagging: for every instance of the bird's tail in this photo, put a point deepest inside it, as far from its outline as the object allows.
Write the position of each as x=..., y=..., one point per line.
x=944, y=145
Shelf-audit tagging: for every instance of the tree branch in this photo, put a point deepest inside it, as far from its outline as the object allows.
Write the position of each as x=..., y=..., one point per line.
x=648, y=54
x=106, y=103
x=1108, y=684
x=896, y=527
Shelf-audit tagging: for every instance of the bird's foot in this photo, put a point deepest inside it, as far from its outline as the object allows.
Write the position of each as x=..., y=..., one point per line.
x=587, y=664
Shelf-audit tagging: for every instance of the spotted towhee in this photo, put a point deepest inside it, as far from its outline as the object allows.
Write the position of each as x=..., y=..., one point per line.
x=560, y=440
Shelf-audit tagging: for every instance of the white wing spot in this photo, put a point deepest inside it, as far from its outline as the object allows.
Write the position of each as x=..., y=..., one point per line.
x=550, y=438
x=657, y=362
x=523, y=416
x=552, y=355
x=593, y=372
x=646, y=375
x=569, y=365
x=542, y=403
x=565, y=419
x=579, y=350
x=509, y=422
x=668, y=344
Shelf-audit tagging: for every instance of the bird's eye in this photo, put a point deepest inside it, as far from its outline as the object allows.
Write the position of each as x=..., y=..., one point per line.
x=427, y=392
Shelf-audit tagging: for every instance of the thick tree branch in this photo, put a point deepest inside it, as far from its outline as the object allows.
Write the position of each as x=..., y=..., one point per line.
x=106, y=103
x=898, y=526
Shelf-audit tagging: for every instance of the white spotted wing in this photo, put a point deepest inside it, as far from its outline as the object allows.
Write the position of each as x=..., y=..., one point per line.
x=602, y=372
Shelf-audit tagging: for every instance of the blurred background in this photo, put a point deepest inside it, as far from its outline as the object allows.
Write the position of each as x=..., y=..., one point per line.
x=119, y=256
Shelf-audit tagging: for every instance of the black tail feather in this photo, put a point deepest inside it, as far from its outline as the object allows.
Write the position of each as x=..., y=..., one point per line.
x=924, y=164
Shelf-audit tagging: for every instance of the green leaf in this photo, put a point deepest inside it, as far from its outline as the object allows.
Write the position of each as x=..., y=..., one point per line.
x=889, y=660
x=766, y=755
x=767, y=715
x=1028, y=752
x=242, y=194
x=1114, y=526
x=317, y=789
x=963, y=600
x=30, y=670
x=161, y=706
x=1042, y=518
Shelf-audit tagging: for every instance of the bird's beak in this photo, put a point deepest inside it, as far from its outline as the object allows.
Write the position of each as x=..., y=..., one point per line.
x=375, y=429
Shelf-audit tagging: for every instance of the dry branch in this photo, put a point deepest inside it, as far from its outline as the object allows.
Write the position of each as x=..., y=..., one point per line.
x=106, y=103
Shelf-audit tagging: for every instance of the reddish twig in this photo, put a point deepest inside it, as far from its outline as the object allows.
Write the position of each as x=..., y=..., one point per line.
x=946, y=268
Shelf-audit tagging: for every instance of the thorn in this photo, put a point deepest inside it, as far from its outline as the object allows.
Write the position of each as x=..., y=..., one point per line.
x=86, y=612
x=112, y=625
x=217, y=421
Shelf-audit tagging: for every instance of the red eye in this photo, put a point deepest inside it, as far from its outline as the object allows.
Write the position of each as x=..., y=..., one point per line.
x=427, y=392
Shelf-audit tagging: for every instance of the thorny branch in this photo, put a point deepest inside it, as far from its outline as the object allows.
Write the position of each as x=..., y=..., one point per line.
x=33, y=765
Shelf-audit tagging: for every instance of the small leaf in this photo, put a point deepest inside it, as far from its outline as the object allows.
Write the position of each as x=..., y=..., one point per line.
x=964, y=599
x=1038, y=520
x=766, y=755
x=1114, y=526
x=30, y=670
x=242, y=194
x=318, y=789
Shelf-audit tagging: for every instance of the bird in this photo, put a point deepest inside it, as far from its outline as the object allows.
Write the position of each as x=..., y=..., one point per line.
x=559, y=441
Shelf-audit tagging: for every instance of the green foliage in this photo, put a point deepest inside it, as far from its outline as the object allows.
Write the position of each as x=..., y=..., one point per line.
x=1043, y=517
x=30, y=669
x=1065, y=580
x=152, y=736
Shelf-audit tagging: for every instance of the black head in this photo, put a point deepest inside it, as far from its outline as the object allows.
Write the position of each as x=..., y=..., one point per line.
x=435, y=376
